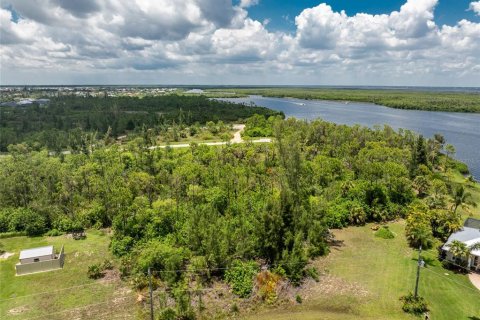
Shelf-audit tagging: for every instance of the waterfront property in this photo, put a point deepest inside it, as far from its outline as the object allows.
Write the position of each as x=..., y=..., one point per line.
x=39, y=260
x=468, y=237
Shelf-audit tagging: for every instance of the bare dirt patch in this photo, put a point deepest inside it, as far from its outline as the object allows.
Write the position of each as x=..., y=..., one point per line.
x=110, y=275
x=18, y=310
x=6, y=255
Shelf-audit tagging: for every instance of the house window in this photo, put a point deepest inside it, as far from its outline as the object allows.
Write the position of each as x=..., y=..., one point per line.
x=36, y=259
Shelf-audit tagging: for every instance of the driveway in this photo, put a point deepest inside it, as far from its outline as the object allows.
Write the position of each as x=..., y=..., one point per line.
x=475, y=279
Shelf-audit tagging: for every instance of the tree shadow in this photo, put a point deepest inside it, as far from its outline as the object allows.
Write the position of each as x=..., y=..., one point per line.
x=336, y=244
x=474, y=318
x=431, y=262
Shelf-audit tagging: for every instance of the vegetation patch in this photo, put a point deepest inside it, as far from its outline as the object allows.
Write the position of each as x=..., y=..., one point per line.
x=241, y=276
x=384, y=232
x=415, y=305
x=417, y=100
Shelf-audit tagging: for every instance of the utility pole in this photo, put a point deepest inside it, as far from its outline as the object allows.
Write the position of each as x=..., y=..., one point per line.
x=151, y=292
x=419, y=265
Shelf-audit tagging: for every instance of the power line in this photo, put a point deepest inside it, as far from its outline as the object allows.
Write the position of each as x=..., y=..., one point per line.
x=59, y=290
x=74, y=309
x=460, y=284
x=195, y=271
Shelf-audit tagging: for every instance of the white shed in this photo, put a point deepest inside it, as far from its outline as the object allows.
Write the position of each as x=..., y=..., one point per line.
x=37, y=254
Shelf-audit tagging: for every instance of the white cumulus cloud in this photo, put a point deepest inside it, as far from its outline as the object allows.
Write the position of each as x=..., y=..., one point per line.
x=215, y=41
x=475, y=7
x=248, y=3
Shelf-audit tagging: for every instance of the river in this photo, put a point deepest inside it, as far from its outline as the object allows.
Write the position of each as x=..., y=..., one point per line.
x=462, y=130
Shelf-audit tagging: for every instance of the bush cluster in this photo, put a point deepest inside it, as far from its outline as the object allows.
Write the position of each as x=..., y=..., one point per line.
x=241, y=277
x=414, y=305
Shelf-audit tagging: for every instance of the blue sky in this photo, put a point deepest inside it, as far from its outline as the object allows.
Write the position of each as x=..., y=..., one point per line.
x=257, y=42
x=282, y=13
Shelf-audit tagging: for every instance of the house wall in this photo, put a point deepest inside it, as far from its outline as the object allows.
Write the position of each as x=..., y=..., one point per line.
x=41, y=266
x=470, y=262
x=40, y=258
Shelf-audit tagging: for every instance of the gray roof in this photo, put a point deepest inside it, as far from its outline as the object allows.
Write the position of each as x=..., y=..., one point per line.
x=472, y=223
x=467, y=235
x=36, y=252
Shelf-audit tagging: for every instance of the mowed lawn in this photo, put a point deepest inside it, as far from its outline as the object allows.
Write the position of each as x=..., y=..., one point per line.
x=65, y=293
x=380, y=271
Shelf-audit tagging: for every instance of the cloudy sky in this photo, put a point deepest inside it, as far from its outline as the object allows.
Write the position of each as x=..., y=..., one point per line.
x=326, y=42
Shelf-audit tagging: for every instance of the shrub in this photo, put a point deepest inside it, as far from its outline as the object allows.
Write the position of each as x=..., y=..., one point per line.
x=298, y=298
x=240, y=276
x=122, y=246
x=234, y=308
x=107, y=265
x=316, y=238
x=414, y=305
x=338, y=214
x=12, y=234
x=140, y=281
x=64, y=224
x=294, y=261
x=35, y=225
x=54, y=233
x=95, y=271
x=23, y=219
x=267, y=285
x=312, y=273
x=167, y=314
x=385, y=233
x=199, y=266
x=182, y=298
x=162, y=256
x=462, y=167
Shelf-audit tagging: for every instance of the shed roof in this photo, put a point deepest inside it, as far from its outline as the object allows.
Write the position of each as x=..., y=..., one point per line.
x=36, y=252
x=472, y=223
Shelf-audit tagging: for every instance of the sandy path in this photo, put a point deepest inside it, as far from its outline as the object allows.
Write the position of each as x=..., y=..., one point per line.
x=237, y=138
x=475, y=279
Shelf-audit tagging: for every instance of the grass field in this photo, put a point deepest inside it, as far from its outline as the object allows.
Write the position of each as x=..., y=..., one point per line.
x=372, y=273
x=66, y=293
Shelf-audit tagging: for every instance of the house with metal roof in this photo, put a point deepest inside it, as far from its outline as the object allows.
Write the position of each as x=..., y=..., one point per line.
x=470, y=236
x=39, y=260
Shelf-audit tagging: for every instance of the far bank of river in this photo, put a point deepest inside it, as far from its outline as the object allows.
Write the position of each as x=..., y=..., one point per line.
x=459, y=129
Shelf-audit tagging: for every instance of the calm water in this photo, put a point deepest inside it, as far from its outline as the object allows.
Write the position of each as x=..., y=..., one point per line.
x=460, y=129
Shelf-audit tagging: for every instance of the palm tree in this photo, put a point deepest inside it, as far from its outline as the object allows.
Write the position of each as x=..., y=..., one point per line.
x=475, y=246
x=459, y=249
x=462, y=198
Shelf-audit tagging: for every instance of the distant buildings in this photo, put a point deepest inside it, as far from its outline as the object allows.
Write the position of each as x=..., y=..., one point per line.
x=25, y=102
x=195, y=91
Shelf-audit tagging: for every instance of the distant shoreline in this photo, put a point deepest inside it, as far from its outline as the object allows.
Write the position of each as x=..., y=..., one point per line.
x=472, y=89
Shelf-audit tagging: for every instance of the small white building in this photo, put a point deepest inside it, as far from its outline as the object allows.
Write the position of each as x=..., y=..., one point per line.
x=469, y=235
x=39, y=260
x=37, y=254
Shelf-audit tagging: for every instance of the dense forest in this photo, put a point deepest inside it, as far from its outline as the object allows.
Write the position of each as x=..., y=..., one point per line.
x=65, y=122
x=415, y=100
x=234, y=207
